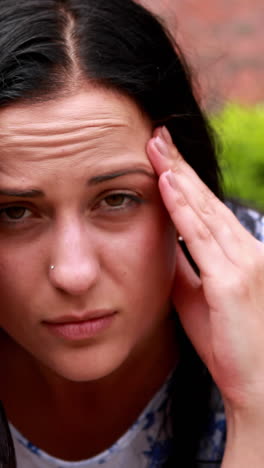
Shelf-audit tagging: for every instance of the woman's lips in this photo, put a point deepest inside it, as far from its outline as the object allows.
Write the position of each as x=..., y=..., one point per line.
x=72, y=328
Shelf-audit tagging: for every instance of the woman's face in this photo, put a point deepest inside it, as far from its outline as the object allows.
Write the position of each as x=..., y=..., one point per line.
x=77, y=191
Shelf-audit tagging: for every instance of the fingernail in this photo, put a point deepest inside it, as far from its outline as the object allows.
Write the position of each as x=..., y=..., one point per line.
x=171, y=179
x=166, y=135
x=161, y=146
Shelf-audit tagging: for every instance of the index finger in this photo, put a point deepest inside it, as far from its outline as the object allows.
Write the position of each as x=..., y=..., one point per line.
x=214, y=213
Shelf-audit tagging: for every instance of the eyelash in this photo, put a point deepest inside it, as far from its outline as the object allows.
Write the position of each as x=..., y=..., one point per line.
x=4, y=211
x=130, y=198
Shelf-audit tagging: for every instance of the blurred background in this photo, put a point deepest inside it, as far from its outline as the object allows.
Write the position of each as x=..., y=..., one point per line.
x=223, y=41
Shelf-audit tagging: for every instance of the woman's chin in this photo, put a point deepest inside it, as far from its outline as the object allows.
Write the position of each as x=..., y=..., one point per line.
x=86, y=369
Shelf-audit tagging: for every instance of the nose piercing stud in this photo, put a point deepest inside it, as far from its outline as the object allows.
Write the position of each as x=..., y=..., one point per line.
x=52, y=267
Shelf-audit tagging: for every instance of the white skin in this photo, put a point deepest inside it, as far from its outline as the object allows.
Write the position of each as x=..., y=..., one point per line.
x=223, y=310
x=110, y=251
x=54, y=147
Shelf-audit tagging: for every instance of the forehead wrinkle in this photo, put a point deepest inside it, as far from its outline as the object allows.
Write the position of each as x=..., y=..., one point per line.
x=88, y=107
x=90, y=151
x=28, y=131
x=64, y=127
x=93, y=125
x=104, y=139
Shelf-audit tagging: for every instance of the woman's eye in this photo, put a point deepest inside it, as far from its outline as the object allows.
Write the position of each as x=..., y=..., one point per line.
x=119, y=200
x=14, y=213
x=116, y=199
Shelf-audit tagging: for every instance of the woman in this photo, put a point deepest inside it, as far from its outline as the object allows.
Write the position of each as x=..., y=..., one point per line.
x=95, y=365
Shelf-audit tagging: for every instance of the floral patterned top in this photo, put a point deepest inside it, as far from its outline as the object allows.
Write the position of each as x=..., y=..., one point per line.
x=147, y=443
x=144, y=445
x=251, y=219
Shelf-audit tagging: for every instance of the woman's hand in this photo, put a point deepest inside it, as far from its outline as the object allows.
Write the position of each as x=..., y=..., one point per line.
x=223, y=310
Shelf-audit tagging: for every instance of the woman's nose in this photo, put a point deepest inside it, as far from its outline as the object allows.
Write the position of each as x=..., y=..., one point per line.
x=74, y=266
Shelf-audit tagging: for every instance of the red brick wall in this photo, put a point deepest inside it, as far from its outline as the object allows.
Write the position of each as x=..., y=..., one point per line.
x=224, y=41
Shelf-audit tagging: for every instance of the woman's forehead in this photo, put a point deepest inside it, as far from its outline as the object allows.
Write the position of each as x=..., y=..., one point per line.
x=89, y=127
x=89, y=107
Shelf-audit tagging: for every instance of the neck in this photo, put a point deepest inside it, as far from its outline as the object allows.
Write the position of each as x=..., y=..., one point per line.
x=112, y=402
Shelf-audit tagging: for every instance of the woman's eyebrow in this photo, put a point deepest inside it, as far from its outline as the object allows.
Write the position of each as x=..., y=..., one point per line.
x=113, y=175
x=21, y=193
x=92, y=181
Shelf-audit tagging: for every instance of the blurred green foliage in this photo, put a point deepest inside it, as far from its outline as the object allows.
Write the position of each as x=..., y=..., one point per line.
x=241, y=151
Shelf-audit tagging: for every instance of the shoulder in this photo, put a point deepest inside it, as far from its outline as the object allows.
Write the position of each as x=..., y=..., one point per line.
x=252, y=219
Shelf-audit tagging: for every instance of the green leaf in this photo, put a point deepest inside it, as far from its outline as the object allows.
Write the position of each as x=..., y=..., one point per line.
x=241, y=133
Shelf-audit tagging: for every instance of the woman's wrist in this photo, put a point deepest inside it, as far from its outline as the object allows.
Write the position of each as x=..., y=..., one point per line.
x=245, y=438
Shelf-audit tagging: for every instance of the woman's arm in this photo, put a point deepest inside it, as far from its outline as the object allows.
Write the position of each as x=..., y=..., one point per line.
x=222, y=311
